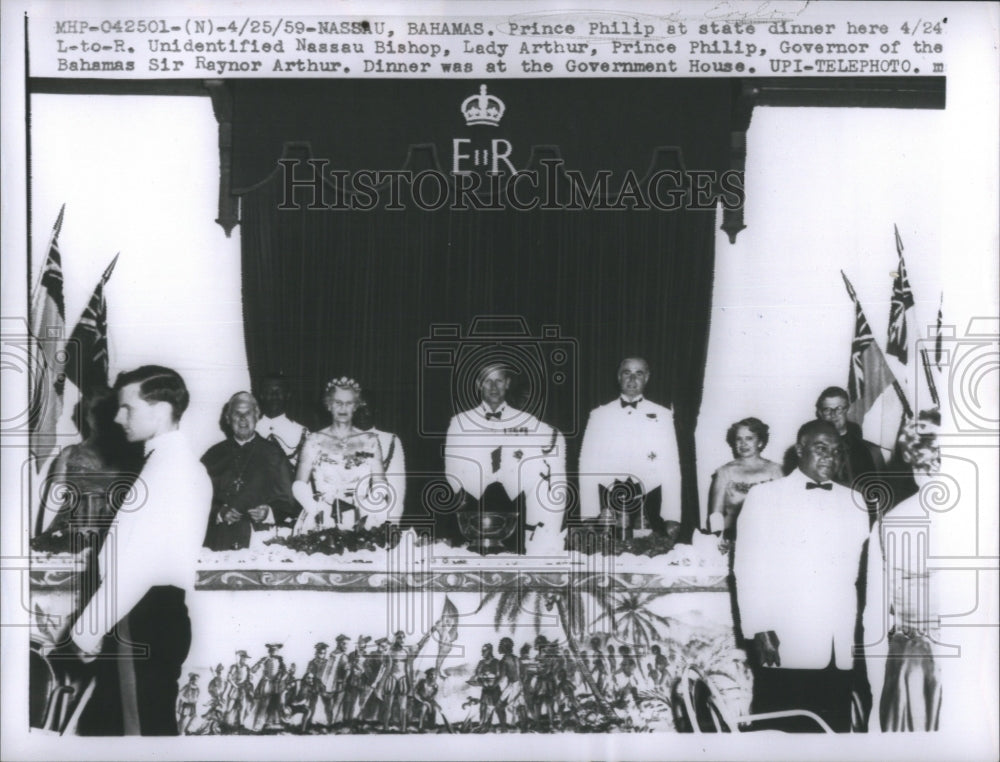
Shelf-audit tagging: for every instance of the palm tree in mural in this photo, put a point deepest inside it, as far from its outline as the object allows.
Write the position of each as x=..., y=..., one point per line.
x=632, y=620
x=569, y=606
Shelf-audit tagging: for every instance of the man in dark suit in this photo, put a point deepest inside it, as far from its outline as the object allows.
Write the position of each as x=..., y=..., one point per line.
x=796, y=568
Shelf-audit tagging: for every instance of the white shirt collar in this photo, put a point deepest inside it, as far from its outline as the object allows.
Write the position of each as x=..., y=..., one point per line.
x=166, y=439
x=484, y=409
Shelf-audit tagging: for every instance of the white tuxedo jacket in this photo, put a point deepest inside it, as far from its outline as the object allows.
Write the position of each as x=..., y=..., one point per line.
x=621, y=442
x=796, y=563
x=518, y=451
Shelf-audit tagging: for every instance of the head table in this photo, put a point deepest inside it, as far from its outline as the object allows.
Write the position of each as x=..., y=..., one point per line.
x=424, y=638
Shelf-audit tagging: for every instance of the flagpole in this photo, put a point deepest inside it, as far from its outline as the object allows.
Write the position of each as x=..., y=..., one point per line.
x=928, y=374
x=907, y=410
x=41, y=271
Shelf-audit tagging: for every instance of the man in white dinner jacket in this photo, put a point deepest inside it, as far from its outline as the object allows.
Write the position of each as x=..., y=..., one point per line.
x=796, y=564
x=137, y=621
x=632, y=438
x=502, y=457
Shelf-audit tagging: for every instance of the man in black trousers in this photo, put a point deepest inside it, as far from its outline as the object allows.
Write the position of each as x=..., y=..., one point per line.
x=796, y=567
x=136, y=628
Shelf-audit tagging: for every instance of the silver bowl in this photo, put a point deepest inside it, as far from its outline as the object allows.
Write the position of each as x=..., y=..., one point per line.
x=486, y=531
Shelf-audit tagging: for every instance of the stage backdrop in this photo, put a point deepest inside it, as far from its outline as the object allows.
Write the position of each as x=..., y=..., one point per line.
x=404, y=300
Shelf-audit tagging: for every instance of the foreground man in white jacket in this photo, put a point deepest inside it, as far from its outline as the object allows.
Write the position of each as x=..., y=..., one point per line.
x=797, y=561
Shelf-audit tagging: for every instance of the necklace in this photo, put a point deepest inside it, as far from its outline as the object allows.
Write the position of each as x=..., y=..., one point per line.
x=237, y=484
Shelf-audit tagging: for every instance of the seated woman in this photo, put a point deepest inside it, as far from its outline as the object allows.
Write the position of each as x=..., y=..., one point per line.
x=731, y=482
x=902, y=620
x=340, y=479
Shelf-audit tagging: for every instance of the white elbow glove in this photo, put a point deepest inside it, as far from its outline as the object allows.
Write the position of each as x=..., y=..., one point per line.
x=302, y=492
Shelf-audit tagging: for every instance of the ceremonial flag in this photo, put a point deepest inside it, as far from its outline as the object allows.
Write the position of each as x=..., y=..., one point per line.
x=902, y=300
x=869, y=374
x=88, y=344
x=446, y=629
x=47, y=358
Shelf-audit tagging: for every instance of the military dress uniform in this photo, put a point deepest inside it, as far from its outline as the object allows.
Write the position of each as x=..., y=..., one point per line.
x=631, y=441
x=284, y=432
x=394, y=466
x=507, y=460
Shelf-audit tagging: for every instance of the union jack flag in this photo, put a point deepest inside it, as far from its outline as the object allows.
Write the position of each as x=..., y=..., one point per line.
x=869, y=375
x=902, y=300
x=89, y=341
x=48, y=326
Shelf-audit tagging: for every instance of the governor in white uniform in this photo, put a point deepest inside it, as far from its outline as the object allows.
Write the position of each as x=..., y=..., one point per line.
x=631, y=438
x=504, y=460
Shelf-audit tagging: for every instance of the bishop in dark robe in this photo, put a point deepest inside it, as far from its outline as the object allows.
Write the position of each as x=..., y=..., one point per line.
x=251, y=480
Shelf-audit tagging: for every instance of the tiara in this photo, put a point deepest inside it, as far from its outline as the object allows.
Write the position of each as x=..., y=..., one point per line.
x=343, y=383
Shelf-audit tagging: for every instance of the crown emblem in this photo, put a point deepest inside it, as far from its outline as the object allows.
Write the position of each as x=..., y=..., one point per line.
x=483, y=108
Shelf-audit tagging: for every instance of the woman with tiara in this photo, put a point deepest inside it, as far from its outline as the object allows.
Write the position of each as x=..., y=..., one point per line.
x=340, y=479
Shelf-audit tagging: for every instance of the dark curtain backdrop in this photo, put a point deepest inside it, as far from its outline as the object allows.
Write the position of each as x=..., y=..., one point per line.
x=393, y=298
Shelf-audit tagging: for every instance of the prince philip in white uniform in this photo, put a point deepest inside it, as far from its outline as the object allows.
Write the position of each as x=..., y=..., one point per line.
x=631, y=439
x=505, y=459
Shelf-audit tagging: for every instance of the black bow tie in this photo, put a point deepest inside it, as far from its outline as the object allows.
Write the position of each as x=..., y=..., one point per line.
x=626, y=403
x=491, y=416
x=813, y=485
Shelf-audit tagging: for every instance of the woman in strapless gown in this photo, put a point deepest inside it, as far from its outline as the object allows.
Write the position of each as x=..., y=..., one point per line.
x=731, y=482
x=340, y=479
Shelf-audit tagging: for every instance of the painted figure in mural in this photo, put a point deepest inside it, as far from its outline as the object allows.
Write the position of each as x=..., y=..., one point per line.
x=657, y=669
x=564, y=672
x=316, y=669
x=544, y=683
x=267, y=697
x=599, y=668
x=425, y=699
x=630, y=449
x=240, y=693
x=354, y=683
x=511, y=687
x=187, y=703
x=332, y=682
x=302, y=699
x=627, y=688
x=214, y=716
x=340, y=479
x=376, y=667
x=288, y=687
x=396, y=683
x=487, y=677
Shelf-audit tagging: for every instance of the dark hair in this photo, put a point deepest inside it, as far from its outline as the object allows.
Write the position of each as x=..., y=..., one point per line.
x=277, y=378
x=158, y=384
x=756, y=425
x=832, y=391
x=815, y=427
